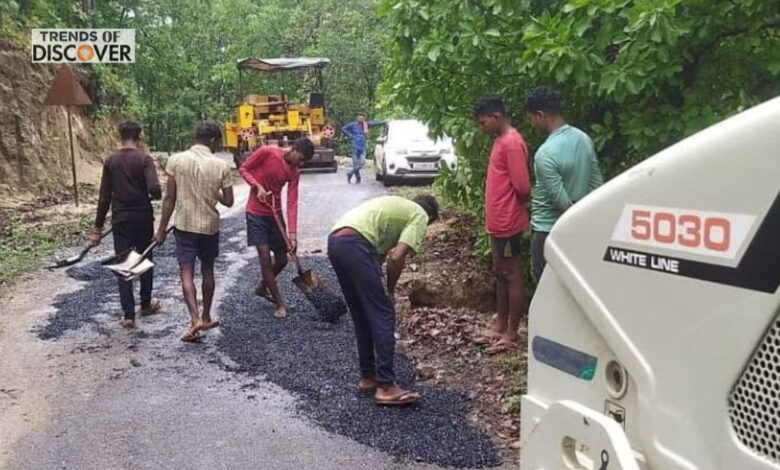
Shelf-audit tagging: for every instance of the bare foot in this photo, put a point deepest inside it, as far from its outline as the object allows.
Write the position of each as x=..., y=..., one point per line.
x=507, y=343
x=207, y=323
x=281, y=312
x=260, y=288
x=509, y=337
x=490, y=335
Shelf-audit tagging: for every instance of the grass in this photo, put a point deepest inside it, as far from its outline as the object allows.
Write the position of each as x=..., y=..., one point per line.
x=33, y=229
x=27, y=241
x=516, y=366
x=411, y=191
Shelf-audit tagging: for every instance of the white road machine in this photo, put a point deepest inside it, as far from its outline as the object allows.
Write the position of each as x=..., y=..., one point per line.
x=654, y=337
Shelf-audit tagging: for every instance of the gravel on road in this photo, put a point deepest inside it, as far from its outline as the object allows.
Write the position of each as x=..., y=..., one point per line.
x=318, y=362
x=315, y=360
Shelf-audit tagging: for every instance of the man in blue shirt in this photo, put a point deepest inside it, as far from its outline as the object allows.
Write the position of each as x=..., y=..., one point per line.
x=357, y=131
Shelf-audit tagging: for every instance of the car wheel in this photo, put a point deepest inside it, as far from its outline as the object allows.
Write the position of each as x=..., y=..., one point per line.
x=387, y=180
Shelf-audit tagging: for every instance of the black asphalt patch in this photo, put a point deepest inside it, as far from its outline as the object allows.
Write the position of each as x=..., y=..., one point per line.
x=315, y=360
x=328, y=305
x=100, y=293
x=318, y=362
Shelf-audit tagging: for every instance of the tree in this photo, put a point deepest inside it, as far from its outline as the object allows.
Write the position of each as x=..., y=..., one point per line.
x=186, y=53
x=638, y=75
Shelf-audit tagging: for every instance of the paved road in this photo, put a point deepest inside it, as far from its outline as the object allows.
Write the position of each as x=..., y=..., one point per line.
x=92, y=395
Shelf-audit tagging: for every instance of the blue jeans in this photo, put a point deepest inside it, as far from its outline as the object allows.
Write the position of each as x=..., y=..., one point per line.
x=358, y=159
x=360, y=277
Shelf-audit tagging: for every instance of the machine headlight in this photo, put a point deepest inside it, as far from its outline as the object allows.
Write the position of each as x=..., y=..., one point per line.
x=445, y=151
x=401, y=151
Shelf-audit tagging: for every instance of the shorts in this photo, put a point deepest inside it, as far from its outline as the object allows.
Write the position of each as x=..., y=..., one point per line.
x=262, y=230
x=508, y=247
x=191, y=245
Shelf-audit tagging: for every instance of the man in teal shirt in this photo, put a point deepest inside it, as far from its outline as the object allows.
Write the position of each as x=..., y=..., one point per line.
x=388, y=227
x=565, y=167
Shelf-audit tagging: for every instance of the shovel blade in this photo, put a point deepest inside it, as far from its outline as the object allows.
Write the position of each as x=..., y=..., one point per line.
x=117, y=259
x=306, y=281
x=137, y=272
x=128, y=266
x=61, y=263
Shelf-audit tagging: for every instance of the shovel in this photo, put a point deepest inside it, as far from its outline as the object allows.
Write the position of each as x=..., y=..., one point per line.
x=130, y=265
x=70, y=261
x=329, y=306
x=306, y=280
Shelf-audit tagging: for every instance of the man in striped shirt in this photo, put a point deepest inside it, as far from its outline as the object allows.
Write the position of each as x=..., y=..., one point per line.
x=197, y=182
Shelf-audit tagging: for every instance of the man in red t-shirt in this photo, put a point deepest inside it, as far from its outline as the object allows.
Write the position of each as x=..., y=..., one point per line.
x=507, y=190
x=267, y=170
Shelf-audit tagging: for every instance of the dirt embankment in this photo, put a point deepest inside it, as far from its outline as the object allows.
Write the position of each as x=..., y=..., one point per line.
x=447, y=302
x=34, y=148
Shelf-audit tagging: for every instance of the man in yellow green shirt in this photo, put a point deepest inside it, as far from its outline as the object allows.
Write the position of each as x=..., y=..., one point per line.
x=391, y=228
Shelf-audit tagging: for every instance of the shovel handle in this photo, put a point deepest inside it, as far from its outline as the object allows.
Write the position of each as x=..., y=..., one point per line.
x=148, y=250
x=105, y=234
x=90, y=246
x=286, y=238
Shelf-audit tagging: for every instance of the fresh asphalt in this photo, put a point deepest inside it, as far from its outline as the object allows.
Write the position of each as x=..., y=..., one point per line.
x=256, y=393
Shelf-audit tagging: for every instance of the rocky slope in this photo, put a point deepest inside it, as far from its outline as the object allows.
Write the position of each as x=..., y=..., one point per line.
x=34, y=148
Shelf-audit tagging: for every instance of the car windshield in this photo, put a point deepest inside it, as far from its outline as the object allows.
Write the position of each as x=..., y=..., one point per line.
x=411, y=131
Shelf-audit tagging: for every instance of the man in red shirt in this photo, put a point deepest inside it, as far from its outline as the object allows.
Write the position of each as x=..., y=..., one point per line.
x=267, y=170
x=507, y=191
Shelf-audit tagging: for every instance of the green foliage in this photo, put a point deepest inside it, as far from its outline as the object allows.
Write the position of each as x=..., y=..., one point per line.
x=25, y=243
x=516, y=366
x=186, y=53
x=638, y=75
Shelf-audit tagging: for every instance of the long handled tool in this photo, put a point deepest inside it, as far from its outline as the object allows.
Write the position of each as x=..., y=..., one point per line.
x=130, y=265
x=329, y=306
x=70, y=261
x=306, y=280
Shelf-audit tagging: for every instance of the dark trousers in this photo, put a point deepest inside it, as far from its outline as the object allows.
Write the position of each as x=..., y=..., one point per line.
x=360, y=276
x=537, y=254
x=137, y=236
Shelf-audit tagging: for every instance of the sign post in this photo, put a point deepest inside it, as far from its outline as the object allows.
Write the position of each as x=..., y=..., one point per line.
x=67, y=91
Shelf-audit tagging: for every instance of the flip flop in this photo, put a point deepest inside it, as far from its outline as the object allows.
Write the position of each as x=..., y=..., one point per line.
x=403, y=398
x=209, y=325
x=153, y=308
x=503, y=346
x=191, y=336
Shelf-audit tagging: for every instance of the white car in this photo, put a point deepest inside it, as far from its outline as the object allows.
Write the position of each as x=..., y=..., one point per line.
x=404, y=151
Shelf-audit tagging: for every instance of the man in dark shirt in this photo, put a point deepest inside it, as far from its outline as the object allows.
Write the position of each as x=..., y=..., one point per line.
x=128, y=186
